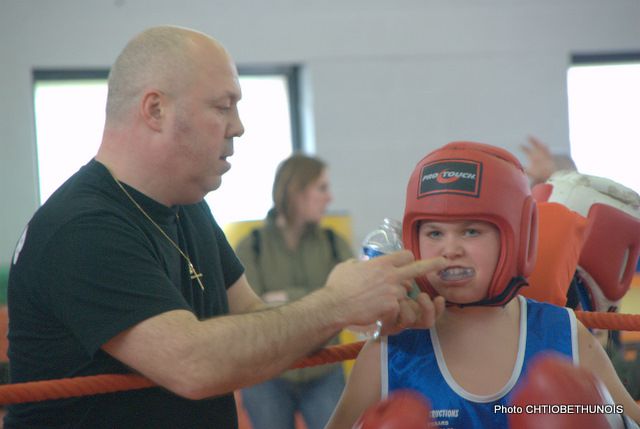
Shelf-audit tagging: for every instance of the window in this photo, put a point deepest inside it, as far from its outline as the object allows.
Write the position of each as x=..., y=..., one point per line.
x=69, y=118
x=604, y=106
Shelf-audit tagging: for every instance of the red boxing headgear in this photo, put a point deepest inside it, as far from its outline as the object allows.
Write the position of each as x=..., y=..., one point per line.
x=475, y=181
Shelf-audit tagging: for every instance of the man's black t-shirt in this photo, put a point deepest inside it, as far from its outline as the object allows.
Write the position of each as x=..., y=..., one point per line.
x=89, y=266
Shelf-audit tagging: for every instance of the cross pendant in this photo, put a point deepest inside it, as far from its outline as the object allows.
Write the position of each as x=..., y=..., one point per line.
x=194, y=275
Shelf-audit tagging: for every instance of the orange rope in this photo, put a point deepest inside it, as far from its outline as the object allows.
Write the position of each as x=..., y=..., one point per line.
x=331, y=355
x=613, y=321
x=92, y=385
x=35, y=391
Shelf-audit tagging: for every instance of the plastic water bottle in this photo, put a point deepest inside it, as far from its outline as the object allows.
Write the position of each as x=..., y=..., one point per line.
x=382, y=240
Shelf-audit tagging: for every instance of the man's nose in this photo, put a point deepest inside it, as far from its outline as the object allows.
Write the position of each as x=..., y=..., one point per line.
x=236, y=128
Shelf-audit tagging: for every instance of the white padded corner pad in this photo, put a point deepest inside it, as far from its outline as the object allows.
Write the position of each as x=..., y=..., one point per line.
x=579, y=191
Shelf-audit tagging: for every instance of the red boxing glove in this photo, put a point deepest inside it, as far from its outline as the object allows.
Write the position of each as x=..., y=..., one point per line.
x=555, y=394
x=403, y=409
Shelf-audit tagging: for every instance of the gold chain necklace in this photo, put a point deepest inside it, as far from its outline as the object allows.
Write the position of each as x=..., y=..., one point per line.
x=193, y=273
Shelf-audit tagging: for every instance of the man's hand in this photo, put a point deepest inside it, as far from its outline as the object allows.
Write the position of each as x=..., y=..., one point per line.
x=421, y=313
x=377, y=290
x=541, y=162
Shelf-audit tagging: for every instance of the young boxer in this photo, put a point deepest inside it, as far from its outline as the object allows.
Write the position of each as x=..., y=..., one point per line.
x=470, y=203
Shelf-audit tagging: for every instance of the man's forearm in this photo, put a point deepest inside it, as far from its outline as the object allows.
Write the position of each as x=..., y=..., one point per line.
x=240, y=350
x=197, y=359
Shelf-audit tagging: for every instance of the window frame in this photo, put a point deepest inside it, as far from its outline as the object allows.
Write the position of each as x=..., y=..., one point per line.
x=289, y=73
x=596, y=59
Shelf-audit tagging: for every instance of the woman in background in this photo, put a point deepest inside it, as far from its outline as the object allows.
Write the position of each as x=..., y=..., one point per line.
x=287, y=258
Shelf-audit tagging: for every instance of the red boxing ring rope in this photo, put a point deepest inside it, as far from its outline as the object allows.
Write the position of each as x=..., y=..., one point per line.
x=36, y=391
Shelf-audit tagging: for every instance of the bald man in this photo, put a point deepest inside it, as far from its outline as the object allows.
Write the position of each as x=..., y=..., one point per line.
x=124, y=268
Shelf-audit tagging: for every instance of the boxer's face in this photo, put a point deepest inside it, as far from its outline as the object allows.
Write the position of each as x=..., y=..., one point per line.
x=471, y=248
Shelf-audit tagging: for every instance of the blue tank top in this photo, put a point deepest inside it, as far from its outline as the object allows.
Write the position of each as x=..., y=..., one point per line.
x=414, y=360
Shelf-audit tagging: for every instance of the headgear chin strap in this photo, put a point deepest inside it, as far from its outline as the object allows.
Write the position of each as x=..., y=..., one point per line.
x=475, y=181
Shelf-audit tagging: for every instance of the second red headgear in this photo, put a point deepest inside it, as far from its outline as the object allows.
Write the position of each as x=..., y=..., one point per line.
x=476, y=181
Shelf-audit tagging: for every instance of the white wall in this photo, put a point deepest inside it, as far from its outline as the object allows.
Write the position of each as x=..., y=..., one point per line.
x=390, y=80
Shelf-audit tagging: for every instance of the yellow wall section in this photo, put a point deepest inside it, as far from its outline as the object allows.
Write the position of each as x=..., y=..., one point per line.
x=340, y=223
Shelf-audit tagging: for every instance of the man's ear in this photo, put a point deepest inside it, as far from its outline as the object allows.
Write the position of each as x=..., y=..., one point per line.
x=153, y=109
